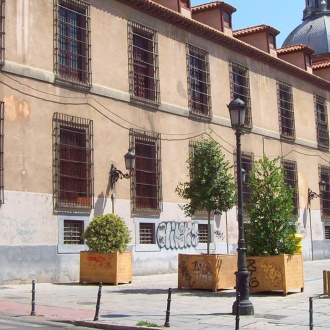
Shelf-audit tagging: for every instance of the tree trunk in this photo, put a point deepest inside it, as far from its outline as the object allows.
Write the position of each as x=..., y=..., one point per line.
x=208, y=231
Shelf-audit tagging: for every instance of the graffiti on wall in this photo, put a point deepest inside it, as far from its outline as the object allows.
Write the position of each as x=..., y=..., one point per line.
x=175, y=235
x=219, y=235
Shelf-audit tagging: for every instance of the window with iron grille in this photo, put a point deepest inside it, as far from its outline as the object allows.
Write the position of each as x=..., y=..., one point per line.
x=199, y=92
x=73, y=231
x=72, y=162
x=240, y=87
x=202, y=233
x=325, y=196
x=146, y=188
x=2, y=31
x=247, y=162
x=321, y=118
x=2, y=110
x=143, y=63
x=327, y=232
x=285, y=110
x=72, y=44
x=291, y=178
x=147, y=233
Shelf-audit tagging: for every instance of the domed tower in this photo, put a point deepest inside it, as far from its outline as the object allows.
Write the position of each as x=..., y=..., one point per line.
x=314, y=31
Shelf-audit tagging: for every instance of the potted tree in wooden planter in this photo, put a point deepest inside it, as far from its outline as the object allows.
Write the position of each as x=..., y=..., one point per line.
x=270, y=231
x=107, y=260
x=210, y=188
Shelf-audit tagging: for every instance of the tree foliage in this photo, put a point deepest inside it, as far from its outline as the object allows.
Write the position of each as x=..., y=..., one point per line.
x=107, y=233
x=272, y=226
x=211, y=187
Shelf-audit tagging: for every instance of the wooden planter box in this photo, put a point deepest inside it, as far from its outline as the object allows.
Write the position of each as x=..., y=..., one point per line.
x=207, y=272
x=281, y=272
x=110, y=268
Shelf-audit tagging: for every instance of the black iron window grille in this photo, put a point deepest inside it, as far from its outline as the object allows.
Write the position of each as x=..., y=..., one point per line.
x=321, y=118
x=240, y=87
x=291, y=178
x=146, y=187
x=72, y=42
x=325, y=196
x=199, y=92
x=143, y=63
x=202, y=233
x=2, y=110
x=73, y=230
x=147, y=233
x=2, y=31
x=327, y=232
x=285, y=110
x=73, y=177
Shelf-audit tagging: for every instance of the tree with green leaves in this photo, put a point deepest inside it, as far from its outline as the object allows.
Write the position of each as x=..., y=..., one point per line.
x=272, y=226
x=211, y=186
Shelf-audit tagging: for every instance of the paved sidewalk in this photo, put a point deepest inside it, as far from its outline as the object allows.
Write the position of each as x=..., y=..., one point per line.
x=145, y=299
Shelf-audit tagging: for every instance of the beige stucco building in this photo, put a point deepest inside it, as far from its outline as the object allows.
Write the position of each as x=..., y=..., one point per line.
x=83, y=81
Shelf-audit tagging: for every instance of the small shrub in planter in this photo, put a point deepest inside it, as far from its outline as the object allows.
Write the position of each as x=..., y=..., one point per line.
x=107, y=233
x=107, y=237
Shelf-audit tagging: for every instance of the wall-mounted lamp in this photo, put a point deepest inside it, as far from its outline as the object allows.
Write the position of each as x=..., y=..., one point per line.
x=116, y=174
x=312, y=194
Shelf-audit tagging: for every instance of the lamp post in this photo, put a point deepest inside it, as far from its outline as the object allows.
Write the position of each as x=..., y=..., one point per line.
x=116, y=174
x=237, y=116
x=312, y=195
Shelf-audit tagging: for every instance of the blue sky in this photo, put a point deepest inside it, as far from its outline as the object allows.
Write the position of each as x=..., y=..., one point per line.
x=283, y=15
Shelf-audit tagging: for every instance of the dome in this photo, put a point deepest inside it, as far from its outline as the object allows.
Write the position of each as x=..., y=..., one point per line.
x=313, y=32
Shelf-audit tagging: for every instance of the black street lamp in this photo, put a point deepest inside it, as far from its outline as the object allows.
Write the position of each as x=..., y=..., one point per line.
x=237, y=116
x=116, y=174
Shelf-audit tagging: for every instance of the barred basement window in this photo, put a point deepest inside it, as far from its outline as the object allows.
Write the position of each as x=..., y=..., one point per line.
x=143, y=63
x=199, y=92
x=327, y=232
x=2, y=31
x=285, y=110
x=147, y=233
x=321, y=118
x=146, y=188
x=202, y=233
x=2, y=110
x=325, y=196
x=240, y=87
x=72, y=162
x=72, y=44
x=73, y=231
x=291, y=178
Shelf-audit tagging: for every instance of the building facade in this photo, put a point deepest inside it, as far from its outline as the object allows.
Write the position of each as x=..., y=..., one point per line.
x=84, y=81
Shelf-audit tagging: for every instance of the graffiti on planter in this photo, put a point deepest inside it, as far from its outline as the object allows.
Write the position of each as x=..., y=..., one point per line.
x=219, y=234
x=203, y=271
x=252, y=268
x=185, y=274
x=273, y=274
x=177, y=235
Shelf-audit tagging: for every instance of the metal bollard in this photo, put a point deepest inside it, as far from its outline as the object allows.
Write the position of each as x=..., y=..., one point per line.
x=33, y=302
x=96, y=317
x=167, y=321
x=311, y=325
x=238, y=306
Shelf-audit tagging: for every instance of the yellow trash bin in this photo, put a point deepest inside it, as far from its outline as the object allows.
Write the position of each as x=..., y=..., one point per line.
x=299, y=245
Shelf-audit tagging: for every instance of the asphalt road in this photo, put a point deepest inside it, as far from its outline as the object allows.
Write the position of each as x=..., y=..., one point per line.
x=19, y=323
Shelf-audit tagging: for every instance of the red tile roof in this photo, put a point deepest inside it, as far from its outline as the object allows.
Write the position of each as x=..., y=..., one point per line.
x=295, y=48
x=255, y=29
x=213, y=5
x=321, y=65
